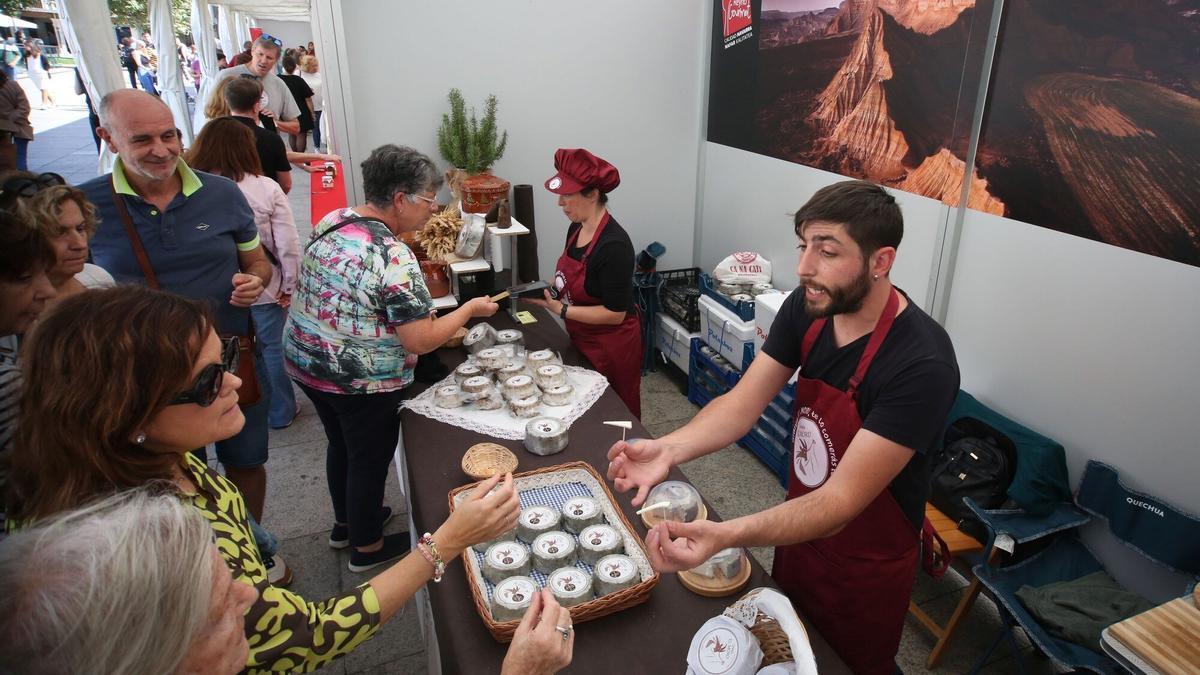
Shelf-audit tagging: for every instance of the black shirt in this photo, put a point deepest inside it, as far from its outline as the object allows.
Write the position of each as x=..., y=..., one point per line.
x=271, y=151
x=905, y=395
x=609, y=274
x=301, y=92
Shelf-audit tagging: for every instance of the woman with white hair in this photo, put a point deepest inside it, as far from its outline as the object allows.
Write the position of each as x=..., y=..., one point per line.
x=129, y=584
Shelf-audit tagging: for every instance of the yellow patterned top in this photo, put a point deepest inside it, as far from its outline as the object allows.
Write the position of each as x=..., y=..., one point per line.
x=286, y=632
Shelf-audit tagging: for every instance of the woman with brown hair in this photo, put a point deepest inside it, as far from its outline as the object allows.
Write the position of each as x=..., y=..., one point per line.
x=68, y=220
x=97, y=420
x=226, y=147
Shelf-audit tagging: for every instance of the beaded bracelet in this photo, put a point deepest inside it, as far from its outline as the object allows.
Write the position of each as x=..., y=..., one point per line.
x=429, y=549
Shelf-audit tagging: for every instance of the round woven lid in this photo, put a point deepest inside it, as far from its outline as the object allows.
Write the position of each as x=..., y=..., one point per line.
x=485, y=460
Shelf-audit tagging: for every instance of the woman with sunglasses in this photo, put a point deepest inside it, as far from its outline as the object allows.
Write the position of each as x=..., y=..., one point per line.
x=97, y=420
x=68, y=220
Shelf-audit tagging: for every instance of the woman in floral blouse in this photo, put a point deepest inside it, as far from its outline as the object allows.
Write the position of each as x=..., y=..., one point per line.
x=360, y=316
x=97, y=419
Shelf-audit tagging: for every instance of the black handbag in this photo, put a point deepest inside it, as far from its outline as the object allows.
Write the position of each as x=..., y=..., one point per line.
x=976, y=461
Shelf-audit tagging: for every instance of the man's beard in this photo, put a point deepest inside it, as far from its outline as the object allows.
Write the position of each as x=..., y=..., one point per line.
x=844, y=300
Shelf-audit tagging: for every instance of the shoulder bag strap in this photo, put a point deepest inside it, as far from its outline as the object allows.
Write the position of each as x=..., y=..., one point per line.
x=135, y=240
x=348, y=221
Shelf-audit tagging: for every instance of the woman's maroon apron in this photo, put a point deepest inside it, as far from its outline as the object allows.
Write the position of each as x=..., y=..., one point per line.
x=614, y=351
x=854, y=585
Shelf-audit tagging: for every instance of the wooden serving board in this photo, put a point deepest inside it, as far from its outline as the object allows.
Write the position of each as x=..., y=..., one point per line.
x=1166, y=637
x=715, y=587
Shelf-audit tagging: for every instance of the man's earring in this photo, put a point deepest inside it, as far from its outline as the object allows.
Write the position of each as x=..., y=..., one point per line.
x=140, y=438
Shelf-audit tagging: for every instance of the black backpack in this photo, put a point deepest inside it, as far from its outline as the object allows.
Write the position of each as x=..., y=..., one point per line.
x=975, y=461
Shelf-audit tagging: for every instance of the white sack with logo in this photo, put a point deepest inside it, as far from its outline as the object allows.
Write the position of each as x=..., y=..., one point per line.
x=746, y=267
x=723, y=646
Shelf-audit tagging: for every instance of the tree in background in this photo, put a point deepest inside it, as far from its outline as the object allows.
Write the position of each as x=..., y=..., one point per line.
x=136, y=13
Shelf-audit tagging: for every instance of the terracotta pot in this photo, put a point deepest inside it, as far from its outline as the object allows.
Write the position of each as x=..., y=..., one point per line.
x=481, y=190
x=437, y=278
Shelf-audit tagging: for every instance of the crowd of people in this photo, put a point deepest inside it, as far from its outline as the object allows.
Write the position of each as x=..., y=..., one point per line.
x=103, y=458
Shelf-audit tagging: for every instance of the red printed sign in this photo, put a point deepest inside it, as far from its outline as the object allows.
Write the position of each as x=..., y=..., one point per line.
x=737, y=15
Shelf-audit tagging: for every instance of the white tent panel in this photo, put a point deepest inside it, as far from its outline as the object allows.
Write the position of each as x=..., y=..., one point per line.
x=170, y=78
x=88, y=29
x=202, y=32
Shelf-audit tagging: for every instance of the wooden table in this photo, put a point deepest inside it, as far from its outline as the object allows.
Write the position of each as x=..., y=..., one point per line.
x=650, y=638
x=1164, y=640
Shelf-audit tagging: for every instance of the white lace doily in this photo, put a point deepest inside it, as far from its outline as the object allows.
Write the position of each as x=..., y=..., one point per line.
x=589, y=386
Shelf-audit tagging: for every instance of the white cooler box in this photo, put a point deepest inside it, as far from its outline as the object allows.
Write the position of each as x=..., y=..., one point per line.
x=673, y=340
x=766, y=308
x=725, y=332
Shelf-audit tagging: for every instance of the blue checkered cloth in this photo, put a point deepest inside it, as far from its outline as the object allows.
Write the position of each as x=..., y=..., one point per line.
x=553, y=496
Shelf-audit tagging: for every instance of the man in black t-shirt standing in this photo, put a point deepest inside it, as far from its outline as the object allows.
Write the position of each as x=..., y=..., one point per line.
x=244, y=97
x=877, y=379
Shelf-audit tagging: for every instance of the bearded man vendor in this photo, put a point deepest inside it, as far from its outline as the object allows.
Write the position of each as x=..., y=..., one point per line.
x=877, y=377
x=593, y=283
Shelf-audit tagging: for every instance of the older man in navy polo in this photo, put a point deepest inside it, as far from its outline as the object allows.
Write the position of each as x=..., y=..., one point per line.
x=200, y=241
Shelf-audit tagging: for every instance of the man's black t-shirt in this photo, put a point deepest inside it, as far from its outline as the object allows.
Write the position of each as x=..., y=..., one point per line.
x=905, y=395
x=610, y=268
x=271, y=151
x=301, y=92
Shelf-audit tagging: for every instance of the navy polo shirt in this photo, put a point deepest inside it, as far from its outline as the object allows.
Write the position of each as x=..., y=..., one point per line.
x=192, y=245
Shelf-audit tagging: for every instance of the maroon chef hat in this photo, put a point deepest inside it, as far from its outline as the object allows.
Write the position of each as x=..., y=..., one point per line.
x=579, y=169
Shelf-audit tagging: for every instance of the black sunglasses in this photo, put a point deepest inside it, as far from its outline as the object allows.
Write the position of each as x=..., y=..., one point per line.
x=207, y=386
x=28, y=187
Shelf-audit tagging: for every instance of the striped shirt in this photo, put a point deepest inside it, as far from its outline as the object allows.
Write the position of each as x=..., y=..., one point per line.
x=10, y=398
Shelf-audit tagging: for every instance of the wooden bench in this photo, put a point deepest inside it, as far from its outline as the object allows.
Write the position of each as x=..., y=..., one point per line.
x=959, y=543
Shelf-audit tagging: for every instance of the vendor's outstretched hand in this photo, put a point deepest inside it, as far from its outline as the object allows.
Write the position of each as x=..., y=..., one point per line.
x=640, y=464
x=681, y=546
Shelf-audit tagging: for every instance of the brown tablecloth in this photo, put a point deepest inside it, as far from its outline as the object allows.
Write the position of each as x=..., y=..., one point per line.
x=650, y=638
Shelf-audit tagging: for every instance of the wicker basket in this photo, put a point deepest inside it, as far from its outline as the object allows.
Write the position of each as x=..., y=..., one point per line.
x=593, y=609
x=484, y=460
x=772, y=640
x=455, y=340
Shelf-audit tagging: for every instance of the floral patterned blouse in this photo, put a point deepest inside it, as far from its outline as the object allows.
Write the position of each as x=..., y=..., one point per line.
x=286, y=632
x=356, y=285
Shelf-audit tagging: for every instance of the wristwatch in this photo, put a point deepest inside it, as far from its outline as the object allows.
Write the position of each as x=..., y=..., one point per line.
x=563, y=312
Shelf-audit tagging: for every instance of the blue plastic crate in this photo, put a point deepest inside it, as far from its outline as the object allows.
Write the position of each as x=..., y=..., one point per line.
x=709, y=375
x=770, y=452
x=744, y=309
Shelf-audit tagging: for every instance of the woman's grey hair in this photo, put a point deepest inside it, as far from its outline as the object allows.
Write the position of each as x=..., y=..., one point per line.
x=122, y=585
x=397, y=168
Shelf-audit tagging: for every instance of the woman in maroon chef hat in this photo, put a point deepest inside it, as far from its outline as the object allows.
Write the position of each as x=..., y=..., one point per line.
x=593, y=284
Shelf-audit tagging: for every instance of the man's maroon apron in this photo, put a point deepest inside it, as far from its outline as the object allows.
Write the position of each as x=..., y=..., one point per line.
x=854, y=585
x=614, y=351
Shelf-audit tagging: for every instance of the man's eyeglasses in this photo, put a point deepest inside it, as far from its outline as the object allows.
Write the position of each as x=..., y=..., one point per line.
x=28, y=187
x=272, y=38
x=207, y=386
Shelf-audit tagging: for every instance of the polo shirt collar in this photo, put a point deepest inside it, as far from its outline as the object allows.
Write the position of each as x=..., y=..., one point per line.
x=191, y=182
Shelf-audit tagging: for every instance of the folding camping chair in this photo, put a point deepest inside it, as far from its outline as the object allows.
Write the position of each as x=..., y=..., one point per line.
x=1039, y=485
x=1157, y=530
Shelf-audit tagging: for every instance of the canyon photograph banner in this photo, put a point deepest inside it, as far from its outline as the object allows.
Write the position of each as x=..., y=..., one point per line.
x=1092, y=121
